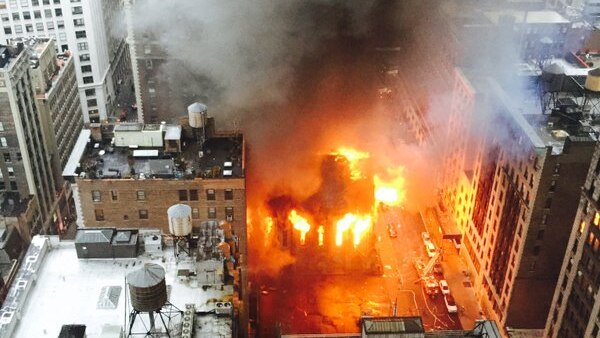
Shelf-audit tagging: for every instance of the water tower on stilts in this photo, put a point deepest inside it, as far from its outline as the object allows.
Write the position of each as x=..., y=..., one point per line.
x=148, y=293
x=180, y=226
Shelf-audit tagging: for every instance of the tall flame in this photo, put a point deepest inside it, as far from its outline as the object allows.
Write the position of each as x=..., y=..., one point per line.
x=300, y=223
x=353, y=156
x=390, y=192
x=359, y=224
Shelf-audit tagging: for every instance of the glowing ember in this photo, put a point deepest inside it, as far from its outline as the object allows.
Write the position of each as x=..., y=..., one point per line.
x=358, y=224
x=353, y=156
x=300, y=223
x=390, y=192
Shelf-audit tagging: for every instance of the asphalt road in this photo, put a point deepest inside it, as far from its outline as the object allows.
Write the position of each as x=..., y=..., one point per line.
x=401, y=278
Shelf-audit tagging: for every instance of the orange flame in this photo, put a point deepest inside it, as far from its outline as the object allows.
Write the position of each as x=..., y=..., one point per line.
x=390, y=192
x=357, y=223
x=321, y=231
x=353, y=156
x=300, y=223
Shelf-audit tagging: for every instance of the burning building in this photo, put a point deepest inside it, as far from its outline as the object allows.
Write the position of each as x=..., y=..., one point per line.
x=332, y=226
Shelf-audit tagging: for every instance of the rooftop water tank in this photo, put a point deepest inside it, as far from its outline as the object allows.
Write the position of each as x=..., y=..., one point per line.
x=196, y=113
x=147, y=288
x=592, y=81
x=180, y=219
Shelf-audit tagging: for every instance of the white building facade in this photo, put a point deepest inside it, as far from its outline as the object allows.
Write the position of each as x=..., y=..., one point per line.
x=89, y=28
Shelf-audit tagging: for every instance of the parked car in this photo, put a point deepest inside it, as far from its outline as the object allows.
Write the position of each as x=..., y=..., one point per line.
x=450, y=304
x=444, y=287
x=425, y=237
x=392, y=231
x=430, y=248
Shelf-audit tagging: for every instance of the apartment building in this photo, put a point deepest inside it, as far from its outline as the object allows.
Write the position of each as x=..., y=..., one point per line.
x=131, y=173
x=91, y=30
x=26, y=159
x=56, y=93
x=575, y=305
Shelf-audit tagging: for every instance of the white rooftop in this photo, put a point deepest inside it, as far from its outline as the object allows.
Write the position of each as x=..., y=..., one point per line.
x=529, y=17
x=68, y=291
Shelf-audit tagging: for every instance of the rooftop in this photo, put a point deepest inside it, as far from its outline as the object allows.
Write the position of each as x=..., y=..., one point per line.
x=92, y=292
x=132, y=150
x=528, y=17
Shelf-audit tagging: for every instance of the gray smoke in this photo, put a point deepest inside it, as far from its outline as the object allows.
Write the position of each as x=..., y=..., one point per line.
x=239, y=54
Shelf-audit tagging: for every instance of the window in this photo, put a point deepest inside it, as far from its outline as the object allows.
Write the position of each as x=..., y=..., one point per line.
x=143, y=214
x=47, y=13
x=16, y=16
x=96, y=196
x=29, y=28
x=540, y=234
x=11, y=171
x=60, y=24
x=183, y=195
x=7, y=157
x=78, y=22
x=7, y=30
x=229, y=214
x=50, y=25
x=114, y=195
x=57, y=2
x=90, y=92
x=210, y=194
x=84, y=57
x=18, y=29
x=37, y=14
x=77, y=10
x=229, y=194
x=19, y=157
x=212, y=213
x=149, y=64
x=193, y=195
x=2, y=185
x=88, y=79
x=99, y=213
x=35, y=2
x=82, y=46
x=63, y=36
x=141, y=195
x=1, y=126
x=26, y=16
x=58, y=12
x=92, y=102
x=86, y=69
x=548, y=203
x=195, y=213
x=46, y=2
x=39, y=27
x=4, y=17
x=1, y=174
x=536, y=250
x=13, y=185
x=3, y=142
x=80, y=34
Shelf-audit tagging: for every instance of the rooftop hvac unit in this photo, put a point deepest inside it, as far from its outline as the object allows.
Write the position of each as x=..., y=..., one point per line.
x=223, y=308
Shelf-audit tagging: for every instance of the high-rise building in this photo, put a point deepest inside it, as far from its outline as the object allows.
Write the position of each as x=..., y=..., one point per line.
x=575, y=306
x=93, y=31
x=26, y=159
x=56, y=93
